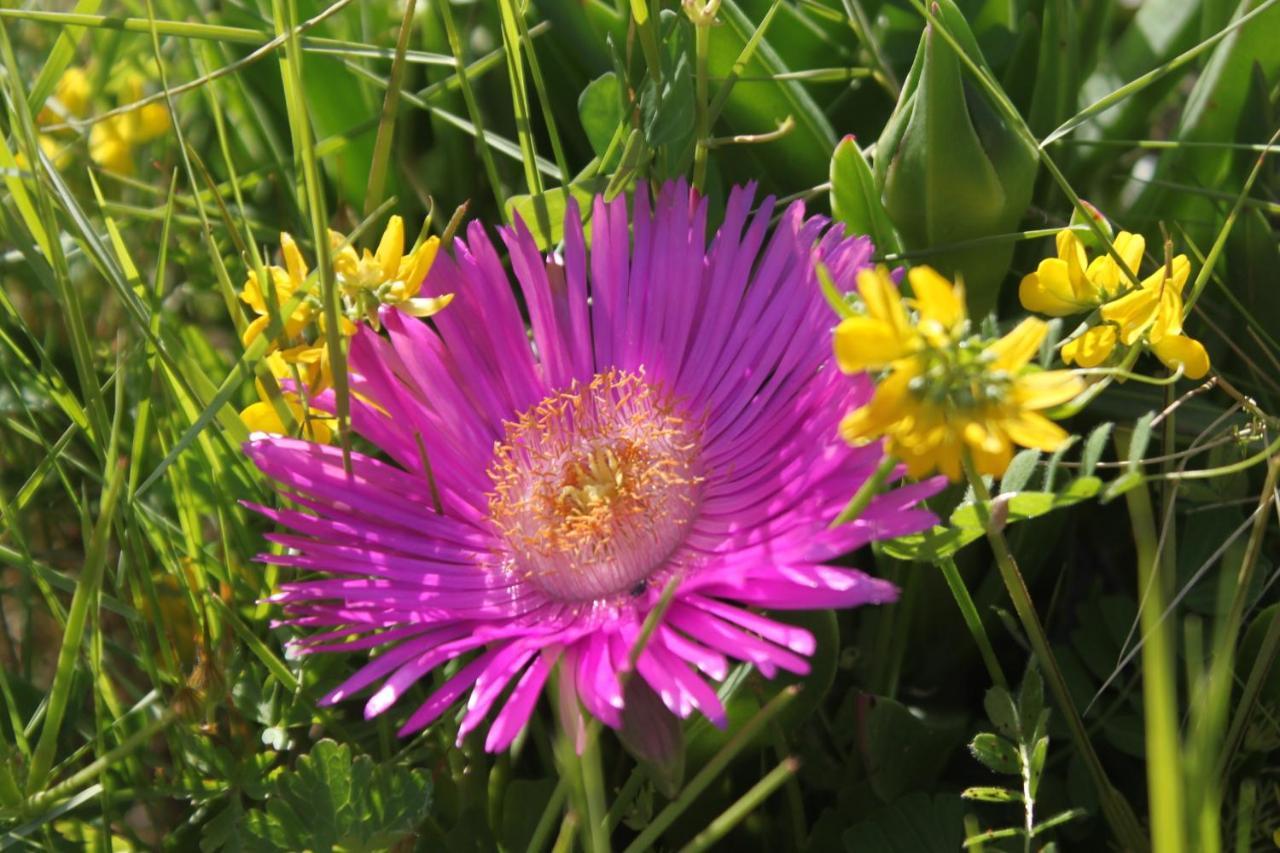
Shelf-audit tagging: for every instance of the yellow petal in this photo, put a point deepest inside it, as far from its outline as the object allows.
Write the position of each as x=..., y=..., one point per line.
x=426, y=306
x=1092, y=348
x=1106, y=276
x=1048, y=290
x=108, y=147
x=863, y=343
x=1012, y=352
x=391, y=248
x=1133, y=312
x=1168, y=319
x=1046, y=389
x=883, y=301
x=254, y=329
x=414, y=268
x=1181, y=351
x=152, y=122
x=887, y=407
x=293, y=260
x=936, y=298
x=1030, y=429
x=262, y=417
x=72, y=91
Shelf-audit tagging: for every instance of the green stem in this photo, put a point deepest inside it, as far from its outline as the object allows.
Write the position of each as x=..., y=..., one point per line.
x=702, y=127
x=746, y=804
x=548, y=820
x=81, y=778
x=1231, y=628
x=969, y=612
x=1159, y=683
x=621, y=802
x=711, y=771
x=85, y=596
x=1116, y=809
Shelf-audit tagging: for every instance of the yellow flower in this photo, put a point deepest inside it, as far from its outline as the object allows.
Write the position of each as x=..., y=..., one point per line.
x=1071, y=284
x=112, y=140
x=943, y=394
x=287, y=283
x=1150, y=313
x=1154, y=311
x=70, y=98
x=387, y=276
x=263, y=417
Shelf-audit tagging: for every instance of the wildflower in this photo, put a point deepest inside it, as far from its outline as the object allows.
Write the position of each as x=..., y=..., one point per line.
x=1150, y=312
x=113, y=140
x=300, y=352
x=672, y=421
x=944, y=391
x=1154, y=311
x=263, y=417
x=1071, y=284
x=387, y=277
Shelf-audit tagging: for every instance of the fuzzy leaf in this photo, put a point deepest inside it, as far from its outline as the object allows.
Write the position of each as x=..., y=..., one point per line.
x=998, y=754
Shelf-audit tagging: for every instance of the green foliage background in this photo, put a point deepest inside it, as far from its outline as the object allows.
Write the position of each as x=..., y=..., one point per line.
x=146, y=700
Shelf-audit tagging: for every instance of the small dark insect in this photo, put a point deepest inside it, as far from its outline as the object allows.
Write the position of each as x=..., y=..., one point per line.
x=639, y=589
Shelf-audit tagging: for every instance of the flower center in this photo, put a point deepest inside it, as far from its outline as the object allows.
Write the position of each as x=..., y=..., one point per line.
x=595, y=486
x=959, y=377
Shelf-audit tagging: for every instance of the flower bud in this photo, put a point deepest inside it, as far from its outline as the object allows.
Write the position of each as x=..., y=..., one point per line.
x=653, y=735
x=950, y=169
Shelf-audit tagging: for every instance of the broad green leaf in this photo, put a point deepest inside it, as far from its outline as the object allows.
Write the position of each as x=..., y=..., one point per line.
x=555, y=202
x=855, y=199
x=600, y=110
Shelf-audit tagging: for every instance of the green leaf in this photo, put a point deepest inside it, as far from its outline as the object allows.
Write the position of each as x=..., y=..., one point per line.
x=600, y=110
x=667, y=105
x=1002, y=711
x=1030, y=700
x=1141, y=438
x=903, y=751
x=554, y=202
x=1057, y=87
x=996, y=753
x=855, y=200
x=329, y=801
x=1019, y=471
x=1094, y=445
x=916, y=823
x=991, y=794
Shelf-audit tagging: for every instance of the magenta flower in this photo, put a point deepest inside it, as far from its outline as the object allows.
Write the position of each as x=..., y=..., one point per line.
x=674, y=415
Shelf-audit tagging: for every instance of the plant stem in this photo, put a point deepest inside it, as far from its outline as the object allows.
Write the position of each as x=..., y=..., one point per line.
x=969, y=612
x=747, y=803
x=711, y=771
x=1159, y=683
x=1116, y=809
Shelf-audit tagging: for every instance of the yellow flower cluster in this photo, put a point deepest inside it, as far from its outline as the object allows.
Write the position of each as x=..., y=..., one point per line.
x=113, y=140
x=945, y=392
x=1149, y=312
x=298, y=351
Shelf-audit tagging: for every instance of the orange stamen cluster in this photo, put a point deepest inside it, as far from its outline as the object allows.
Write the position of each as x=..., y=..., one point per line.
x=595, y=486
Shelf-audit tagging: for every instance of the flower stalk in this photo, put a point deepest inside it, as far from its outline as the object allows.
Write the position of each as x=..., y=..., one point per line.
x=1117, y=811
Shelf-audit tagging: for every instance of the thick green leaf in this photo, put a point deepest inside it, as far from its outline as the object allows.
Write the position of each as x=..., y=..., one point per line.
x=855, y=200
